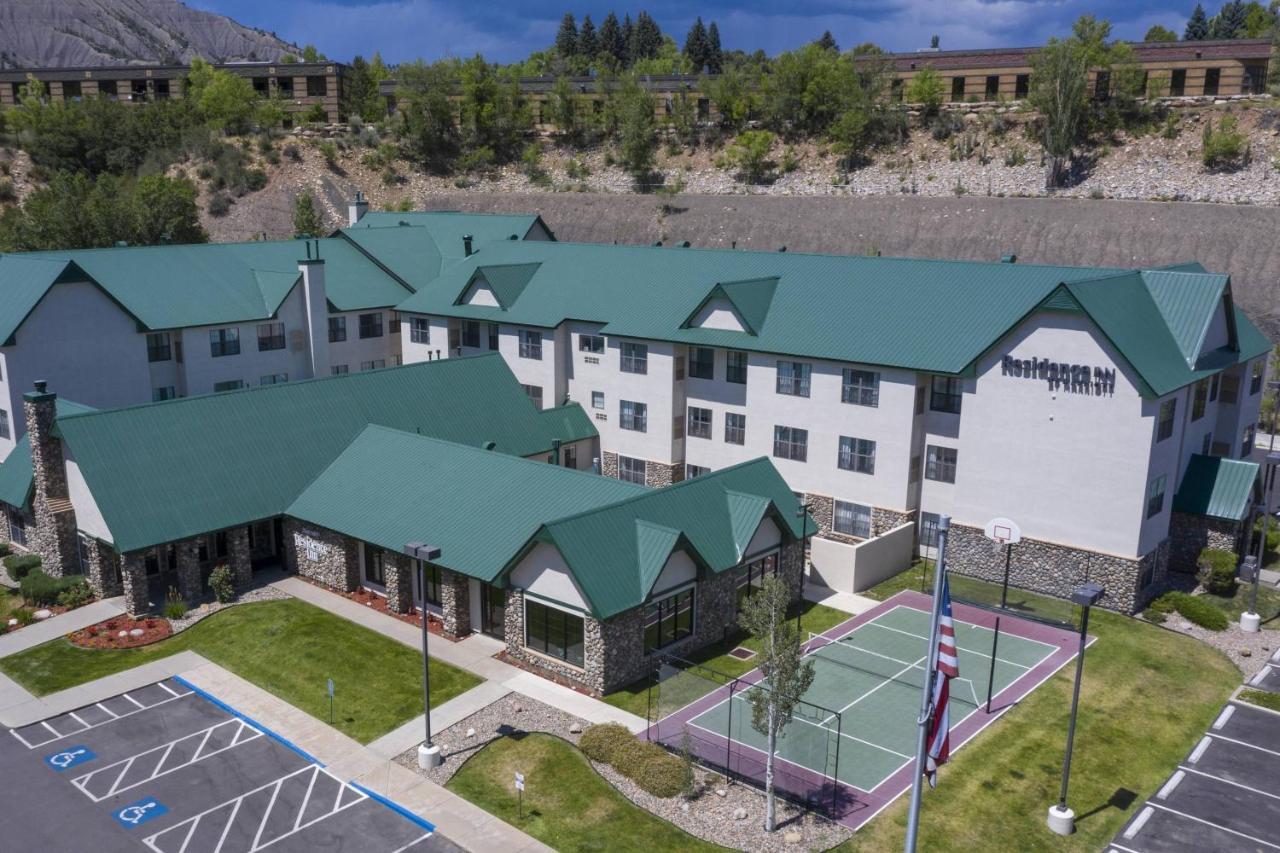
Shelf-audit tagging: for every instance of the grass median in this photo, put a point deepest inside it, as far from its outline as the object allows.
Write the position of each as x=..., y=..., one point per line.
x=287, y=647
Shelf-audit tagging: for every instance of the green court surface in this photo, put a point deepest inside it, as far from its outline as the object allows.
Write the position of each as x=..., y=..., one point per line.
x=858, y=719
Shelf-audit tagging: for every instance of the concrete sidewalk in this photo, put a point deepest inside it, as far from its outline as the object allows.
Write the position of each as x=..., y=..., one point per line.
x=849, y=602
x=60, y=625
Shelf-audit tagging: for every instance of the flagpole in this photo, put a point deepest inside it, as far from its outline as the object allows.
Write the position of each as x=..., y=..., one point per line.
x=926, y=694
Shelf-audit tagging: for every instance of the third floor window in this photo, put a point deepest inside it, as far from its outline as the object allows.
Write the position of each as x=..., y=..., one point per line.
x=224, y=342
x=791, y=443
x=530, y=344
x=945, y=394
x=635, y=358
x=419, y=330
x=735, y=367
x=702, y=363
x=371, y=325
x=860, y=387
x=159, y=347
x=270, y=336
x=337, y=329
x=793, y=378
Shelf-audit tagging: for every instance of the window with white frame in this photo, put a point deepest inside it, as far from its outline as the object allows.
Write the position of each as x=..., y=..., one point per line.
x=940, y=464
x=929, y=529
x=270, y=336
x=224, y=342
x=735, y=428
x=791, y=443
x=860, y=387
x=597, y=399
x=419, y=330
x=857, y=454
x=691, y=471
x=1155, y=496
x=793, y=378
x=851, y=519
x=593, y=344
x=535, y=394
x=699, y=422
x=531, y=344
x=633, y=416
x=635, y=357
x=668, y=620
x=631, y=470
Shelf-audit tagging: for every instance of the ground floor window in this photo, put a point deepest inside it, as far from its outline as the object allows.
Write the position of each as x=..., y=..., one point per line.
x=668, y=620
x=374, y=569
x=753, y=575
x=852, y=519
x=631, y=470
x=82, y=552
x=17, y=528
x=432, y=576
x=553, y=632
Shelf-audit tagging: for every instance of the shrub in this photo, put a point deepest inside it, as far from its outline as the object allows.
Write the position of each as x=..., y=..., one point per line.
x=205, y=172
x=1217, y=571
x=18, y=565
x=219, y=204
x=1225, y=148
x=4, y=549
x=602, y=742
x=222, y=584
x=77, y=594
x=254, y=179
x=8, y=194
x=1194, y=609
x=749, y=154
x=316, y=115
x=174, y=605
x=24, y=616
x=651, y=767
x=39, y=588
x=576, y=169
x=1015, y=156
x=292, y=152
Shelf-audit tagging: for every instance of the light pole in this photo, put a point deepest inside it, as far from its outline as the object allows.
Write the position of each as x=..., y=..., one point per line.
x=428, y=753
x=1250, y=621
x=1062, y=820
x=803, y=512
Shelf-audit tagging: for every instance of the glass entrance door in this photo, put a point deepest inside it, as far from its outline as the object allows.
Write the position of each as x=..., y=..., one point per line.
x=493, y=611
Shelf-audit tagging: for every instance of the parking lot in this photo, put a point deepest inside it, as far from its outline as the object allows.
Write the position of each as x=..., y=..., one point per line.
x=1224, y=796
x=169, y=770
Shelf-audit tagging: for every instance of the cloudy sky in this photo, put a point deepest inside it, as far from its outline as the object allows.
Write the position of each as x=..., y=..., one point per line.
x=510, y=29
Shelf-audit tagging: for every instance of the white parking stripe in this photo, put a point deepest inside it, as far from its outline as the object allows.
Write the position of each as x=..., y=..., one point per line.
x=134, y=701
x=1215, y=825
x=51, y=728
x=105, y=708
x=73, y=715
x=113, y=717
x=1229, y=782
x=411, y=843
x=1244, y=743
x=166, y=688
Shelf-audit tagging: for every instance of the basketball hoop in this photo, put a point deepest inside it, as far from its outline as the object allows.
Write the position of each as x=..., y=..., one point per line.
x=1003, y=532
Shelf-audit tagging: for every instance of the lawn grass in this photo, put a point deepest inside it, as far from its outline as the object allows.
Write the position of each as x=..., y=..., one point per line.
x=919, y=578
x=814, y=617
x=1147, y=696
x=287, y=647
x=567, y=805
x=1234, y=605
x=10, y=600
x=1261, y=698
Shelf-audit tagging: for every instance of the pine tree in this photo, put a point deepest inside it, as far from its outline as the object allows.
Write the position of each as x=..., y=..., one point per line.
x=646, y=39
x=1229, y=22
x=827, y=41
x=588, y=41
x=611, y=41
x=567, y=37
x=715, y=55
x=1197, y=25
x=628, y=41
x=695, y=46
x=307, y=221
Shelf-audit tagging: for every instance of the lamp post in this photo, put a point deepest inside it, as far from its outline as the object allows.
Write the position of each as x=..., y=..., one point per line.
x=1062, y=820
x=1250, y=621
x=428, y=753
x=803, y=512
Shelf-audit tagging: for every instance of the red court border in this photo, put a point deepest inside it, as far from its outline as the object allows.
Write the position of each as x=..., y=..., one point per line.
x=854, y=807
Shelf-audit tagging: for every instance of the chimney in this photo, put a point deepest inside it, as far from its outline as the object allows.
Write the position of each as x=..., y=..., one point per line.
x=316, y=305
x=357, y=209
x=466, y=245
x=54, y=537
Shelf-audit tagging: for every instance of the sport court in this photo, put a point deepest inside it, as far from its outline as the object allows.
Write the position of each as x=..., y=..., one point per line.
x=167, y=769
x=858, y=727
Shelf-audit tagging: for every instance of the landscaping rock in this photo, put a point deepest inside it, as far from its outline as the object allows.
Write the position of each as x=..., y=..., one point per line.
x=684, y=807
x=739, y=814
x=793, y=837
x=575, y=728
x=721, y=792
x=1244, y=653
x=136, y=632
x=122, y=633
x=13, y=622
x=471, y=732
x=42, y=614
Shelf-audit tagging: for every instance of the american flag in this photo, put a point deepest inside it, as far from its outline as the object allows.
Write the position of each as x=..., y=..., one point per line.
x=946, y=668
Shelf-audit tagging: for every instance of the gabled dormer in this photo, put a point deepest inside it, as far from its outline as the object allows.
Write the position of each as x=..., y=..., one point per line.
x=496, y=286
x=735, y=306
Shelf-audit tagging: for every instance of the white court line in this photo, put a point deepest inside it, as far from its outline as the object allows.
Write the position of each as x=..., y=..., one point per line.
x=411, y=843
x=973, y=688
x=802, y=720
x=1229, y=782
x=966, y=623
x=959, y=647
x=1243, y=743
x=1215, y=826
x=114, y=717
x=890, y=680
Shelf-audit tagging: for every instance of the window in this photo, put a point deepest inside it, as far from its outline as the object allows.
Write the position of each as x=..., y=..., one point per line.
x=1255, y=379
x=393, y=325
x=1178, y=82
x=229, y=385
x=1212, y=76
x=1213, y=386
x=375, y=569
x=668, y=620
x=751, y=576
x=371, y=325
x=530, y=344
x=957, y=88
x=699, y=422
x=1206, y=446
x=920, y=400
x=17, y=528
x=553, y=632
x=1201, y=396
x=1252, y=82
x=635, y=358
x=1155, y=497
x=791, y=443
x=702, y=363
x=4, y=425
x=224, y=342
x=571, y=456
x=793, y=378
x=928, y=530
x=735, y=428
x=159, y=347
x=1164, y=427
x=857, y=454
x=375, y=364
x=470, y=333
x=861, y=387
x=339, y=370
x=419, y=330
x=221, y=548
x=851, y=519
x=631, y=470
x=940, y=464
x=945, y=395
x=691, y=471
x=1246, y=440
x=735, y=367
x=593, y=344
x=317, y=86
x=992, y=90
x=164, y=392
x=493, y=337
x=597, y=399
x=273, y=379
x=270, y=336
x=337, y=329
x=634, y=416
x=1230, y=388
x=1021, y=86
x=431, y=573
x=535, y=394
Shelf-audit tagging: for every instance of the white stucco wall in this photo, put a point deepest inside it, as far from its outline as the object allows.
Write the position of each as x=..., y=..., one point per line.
x=766, y=536
x=544, y=573
x=88, y=517
x=678, y=571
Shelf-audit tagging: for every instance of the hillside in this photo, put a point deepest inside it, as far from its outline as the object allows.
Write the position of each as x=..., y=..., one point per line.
x=72, y=33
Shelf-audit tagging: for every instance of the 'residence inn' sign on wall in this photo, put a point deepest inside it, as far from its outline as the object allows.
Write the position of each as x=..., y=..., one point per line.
x=1062, y=376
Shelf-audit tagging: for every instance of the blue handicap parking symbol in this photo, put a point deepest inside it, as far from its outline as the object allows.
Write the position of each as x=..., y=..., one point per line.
x=140, y=812
x=69, y=757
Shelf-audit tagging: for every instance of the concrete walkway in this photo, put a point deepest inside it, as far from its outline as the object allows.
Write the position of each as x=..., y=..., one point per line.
x=849, y=602
x=60, y=625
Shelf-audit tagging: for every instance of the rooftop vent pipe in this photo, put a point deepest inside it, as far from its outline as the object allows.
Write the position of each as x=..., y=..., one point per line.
x=466, y=245
x=1010, y=258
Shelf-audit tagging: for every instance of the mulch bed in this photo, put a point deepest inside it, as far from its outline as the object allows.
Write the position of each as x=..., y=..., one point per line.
x=373, y=601
x=106, y=635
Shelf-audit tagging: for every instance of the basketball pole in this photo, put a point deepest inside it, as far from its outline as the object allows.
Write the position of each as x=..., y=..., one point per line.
x=1004, y=590
x=926, y=694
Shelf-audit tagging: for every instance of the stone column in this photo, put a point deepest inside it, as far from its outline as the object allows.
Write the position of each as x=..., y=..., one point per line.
x=399, y=582
x=790, y=566
x=103, y=570
x=240, y=563
x=189, y=581
x=53, y=536
x=455, y=603
x=133, y=574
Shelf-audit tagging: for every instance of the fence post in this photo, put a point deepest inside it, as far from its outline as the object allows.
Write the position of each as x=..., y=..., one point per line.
x=835, y=776
x=991, y=676
x=648, y=712
x=728, y=735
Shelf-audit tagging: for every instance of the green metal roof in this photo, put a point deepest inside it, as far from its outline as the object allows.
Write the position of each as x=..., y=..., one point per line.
x=165, y=471
x=507, y=281
x=409, y=253
x=479, y=507
x=24, y=280
x=569, y=422
x=352, y=280
x=16, y=481
x=1217, y=487
x=447, y=228
x=929, y=315
x=616, y=551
